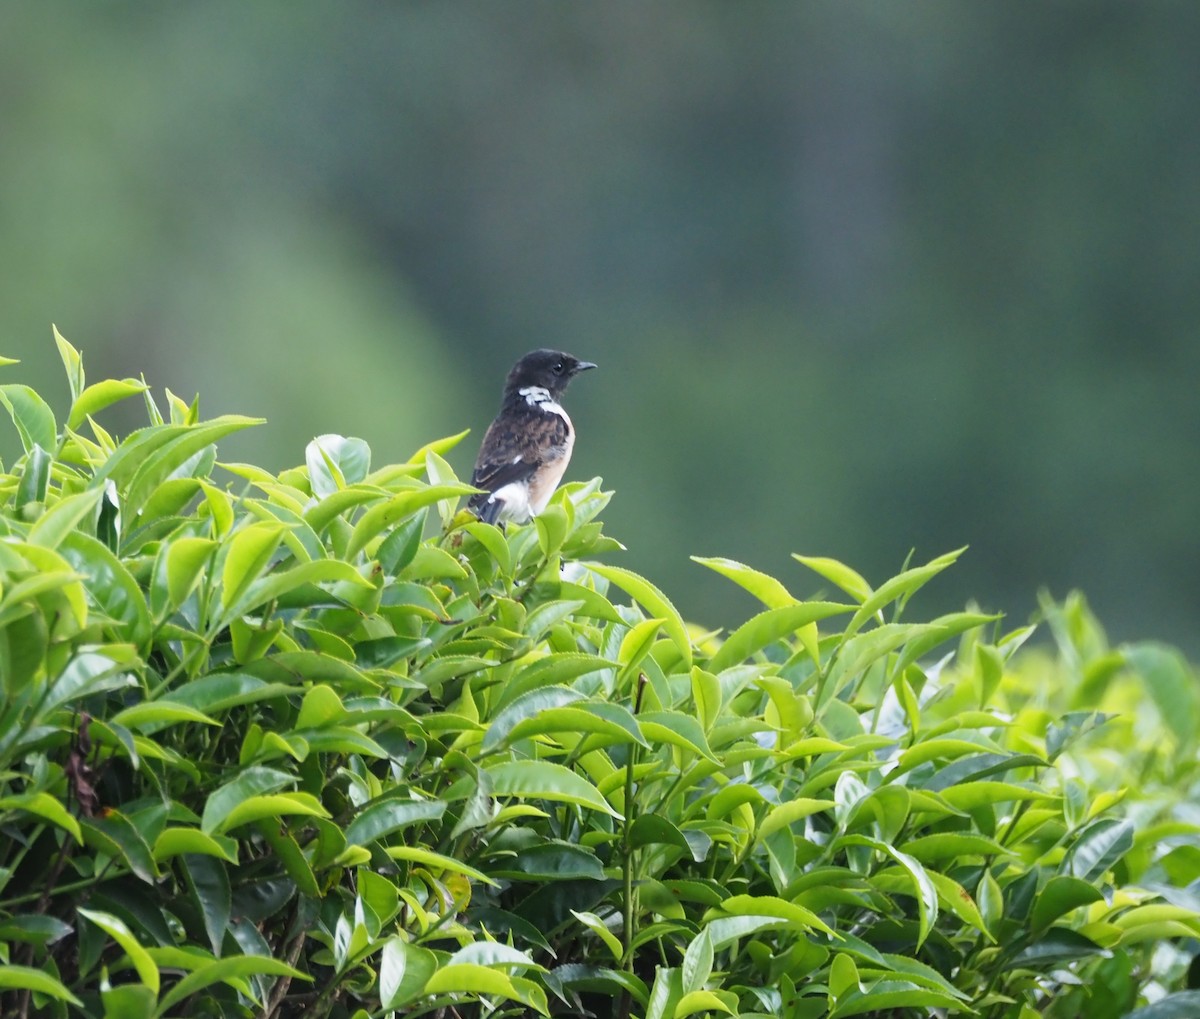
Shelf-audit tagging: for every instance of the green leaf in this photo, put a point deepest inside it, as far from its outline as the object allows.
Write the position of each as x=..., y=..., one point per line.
x=110, y=584
x=677, y=729
x=468, y=978
x=128, y=1001
x=46, y=807
x=72, y=362
x=554, y=668
x=230, y=971
x=149, y=457
x=35, y=478
x=32, y=416
x=768, y=627
x=115, y=928
x=653, y=601
x=335, y=461
x=770, y=906
x=1061, y=895
x=891, y=994
x=209, y=883
x=155, y=714
x=177, y=841
x=665, y=994
x=697, y=962
x=186, y=559
x=600, y=717
x=25, y=978
x=765, y=588
x=248, y=553
x=404, y=969
x=789, y=813
x=1098, y=847
x=381, y=819
x=100, y=395
x=651, y=829
x=952, y=845
x=552, y=861
x=923, y=888
x=702, y=1001
x=527, y=707
x=1056, y=947
x=957, y=899
x=1172, y=686
x=1181, y=1005
x=226, y=690
x=115, y=834
x=548, y=781
x=287, y=849
x=598, y=927
x=437, y=861
x=63, y=517
x=273, y=805
x=251, y=782
x=900, y=587
x=837, y=573
x=387, y=514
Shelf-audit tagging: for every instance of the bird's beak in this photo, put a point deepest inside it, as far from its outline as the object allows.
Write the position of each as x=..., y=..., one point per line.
x=582, y=367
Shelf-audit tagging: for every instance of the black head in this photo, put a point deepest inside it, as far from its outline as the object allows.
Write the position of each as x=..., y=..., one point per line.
x=552, y=370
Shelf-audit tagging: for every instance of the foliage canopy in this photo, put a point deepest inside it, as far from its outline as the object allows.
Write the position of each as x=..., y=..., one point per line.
x=315, y=744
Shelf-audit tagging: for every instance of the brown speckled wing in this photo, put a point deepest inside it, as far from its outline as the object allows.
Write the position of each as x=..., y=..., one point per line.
x=517, y=443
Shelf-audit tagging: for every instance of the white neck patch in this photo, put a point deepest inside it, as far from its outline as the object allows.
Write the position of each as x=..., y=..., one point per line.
x=539, y=396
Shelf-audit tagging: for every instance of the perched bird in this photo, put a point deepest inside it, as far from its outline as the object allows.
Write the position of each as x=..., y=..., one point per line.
x=527, y=448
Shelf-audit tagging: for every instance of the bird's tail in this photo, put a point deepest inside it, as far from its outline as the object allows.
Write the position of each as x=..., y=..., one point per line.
x=486, y=508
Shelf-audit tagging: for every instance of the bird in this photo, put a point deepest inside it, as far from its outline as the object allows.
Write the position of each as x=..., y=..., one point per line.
x=526, y=449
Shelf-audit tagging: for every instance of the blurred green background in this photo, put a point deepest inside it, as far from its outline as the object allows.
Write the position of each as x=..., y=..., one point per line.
x=861, y=277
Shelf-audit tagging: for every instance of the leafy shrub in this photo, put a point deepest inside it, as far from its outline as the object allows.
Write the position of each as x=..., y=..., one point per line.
x=313, y=744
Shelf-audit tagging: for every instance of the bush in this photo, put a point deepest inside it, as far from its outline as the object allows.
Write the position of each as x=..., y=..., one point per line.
x=314, y=744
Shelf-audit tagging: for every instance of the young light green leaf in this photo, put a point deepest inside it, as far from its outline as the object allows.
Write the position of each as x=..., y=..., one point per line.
x=436, y=861
x=900, y=587
x=230, y=970
x=886, y=995
x=923, y=888
x=46, y=807
x=72, y=362
x=63, y=517
x=697, y=962
x=99, y=395
x=32, y=416
x=764, y=587
x=837, y=573
x=548, y=781
x=250, y=782
x=387, y=514
x=249, y=551
x=335, y=461
x=24, y=978
x=123, y=936
x=598, y=927
x=186, y=559
x=654, y=601
x=404, y=969
x=274, y=805
x=35, y=478
x=768, y=627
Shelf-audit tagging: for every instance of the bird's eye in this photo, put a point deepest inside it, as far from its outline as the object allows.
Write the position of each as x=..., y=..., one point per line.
x=558, y=368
